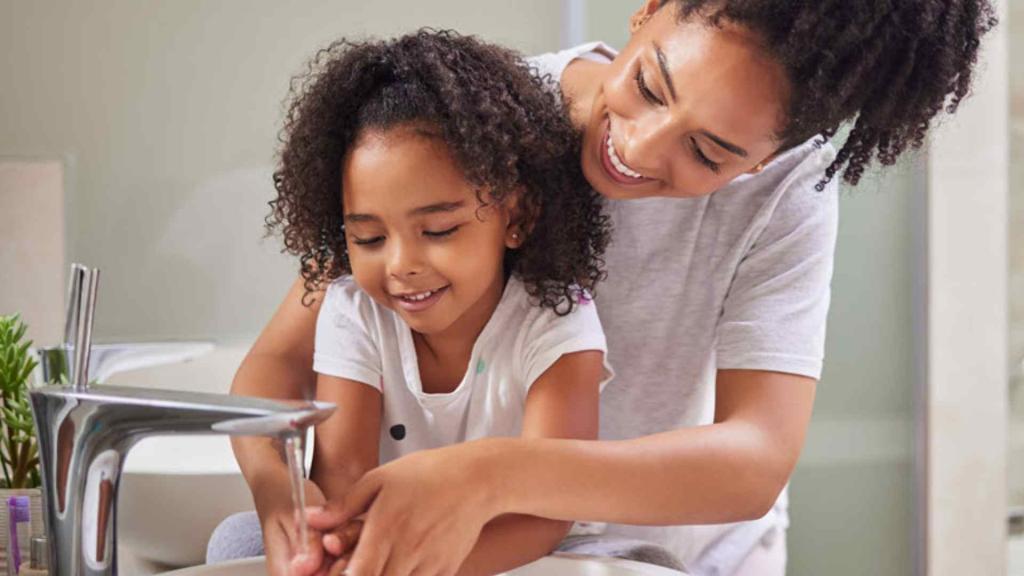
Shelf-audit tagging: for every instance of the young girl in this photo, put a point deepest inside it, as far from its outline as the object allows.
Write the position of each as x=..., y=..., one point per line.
x=428, y=183
x=706, y=132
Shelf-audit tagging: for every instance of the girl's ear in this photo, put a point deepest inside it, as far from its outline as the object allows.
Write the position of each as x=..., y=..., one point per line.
x=521, y=218
x=643, y=14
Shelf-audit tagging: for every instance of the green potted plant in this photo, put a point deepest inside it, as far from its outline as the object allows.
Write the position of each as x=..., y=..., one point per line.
x=19, y=458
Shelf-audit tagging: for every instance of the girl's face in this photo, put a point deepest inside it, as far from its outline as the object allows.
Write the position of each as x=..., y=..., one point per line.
x=419, y=241
x=685, y=108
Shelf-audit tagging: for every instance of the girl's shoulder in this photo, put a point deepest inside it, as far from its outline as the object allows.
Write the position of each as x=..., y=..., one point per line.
x=345, y=299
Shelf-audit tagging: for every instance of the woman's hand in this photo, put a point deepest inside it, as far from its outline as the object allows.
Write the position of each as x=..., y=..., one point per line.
x=424, y=512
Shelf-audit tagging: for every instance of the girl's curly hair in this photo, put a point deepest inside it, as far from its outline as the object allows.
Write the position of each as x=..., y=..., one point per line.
x=504, y=127
x=888, y=65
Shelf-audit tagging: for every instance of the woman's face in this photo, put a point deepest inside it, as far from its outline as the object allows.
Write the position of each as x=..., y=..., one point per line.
x=685, y=108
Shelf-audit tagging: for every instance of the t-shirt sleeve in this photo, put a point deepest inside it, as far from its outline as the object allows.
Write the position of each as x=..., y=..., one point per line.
x=345, y=347
x=548, y=337
x=775, y=312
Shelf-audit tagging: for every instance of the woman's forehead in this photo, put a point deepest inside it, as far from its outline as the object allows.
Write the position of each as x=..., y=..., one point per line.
x=721, y=69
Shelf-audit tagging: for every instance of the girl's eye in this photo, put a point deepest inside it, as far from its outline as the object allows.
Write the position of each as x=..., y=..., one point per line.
x=645, y=91
x=703, y=159
x=367, y=241
x=441, y=233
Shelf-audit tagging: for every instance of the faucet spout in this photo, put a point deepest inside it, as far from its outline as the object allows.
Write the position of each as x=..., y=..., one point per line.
x=85, y=434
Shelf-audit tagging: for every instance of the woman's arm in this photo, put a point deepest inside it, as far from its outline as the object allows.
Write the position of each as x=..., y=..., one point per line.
x=727, y=471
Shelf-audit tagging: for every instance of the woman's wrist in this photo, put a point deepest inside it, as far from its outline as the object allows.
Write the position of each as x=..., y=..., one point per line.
x=492, y=470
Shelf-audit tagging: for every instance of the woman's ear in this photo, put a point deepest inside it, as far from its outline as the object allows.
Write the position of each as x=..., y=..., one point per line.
x=643, y=14
x=760, y=165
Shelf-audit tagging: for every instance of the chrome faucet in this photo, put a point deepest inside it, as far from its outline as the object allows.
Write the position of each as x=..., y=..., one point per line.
x=85, y=433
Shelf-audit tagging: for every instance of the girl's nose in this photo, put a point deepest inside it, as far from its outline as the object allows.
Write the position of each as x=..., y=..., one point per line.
x=405, y=260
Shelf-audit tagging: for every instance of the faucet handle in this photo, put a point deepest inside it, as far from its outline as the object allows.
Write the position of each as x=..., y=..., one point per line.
x=73, y=303
x=81, y=310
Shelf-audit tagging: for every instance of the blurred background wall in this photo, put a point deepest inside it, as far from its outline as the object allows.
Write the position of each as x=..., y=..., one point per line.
x=165, y=116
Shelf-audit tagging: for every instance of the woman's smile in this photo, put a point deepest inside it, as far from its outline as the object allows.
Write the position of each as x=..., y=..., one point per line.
x=614, y=166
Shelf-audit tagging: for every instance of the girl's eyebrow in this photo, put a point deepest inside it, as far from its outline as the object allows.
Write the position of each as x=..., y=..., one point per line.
x=438, y=207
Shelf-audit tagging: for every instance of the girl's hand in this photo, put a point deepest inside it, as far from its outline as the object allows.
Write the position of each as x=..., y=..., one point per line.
x=424, y=512
x=281, y=535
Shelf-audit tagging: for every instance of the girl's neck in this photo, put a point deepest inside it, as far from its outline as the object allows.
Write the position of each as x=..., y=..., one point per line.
x=443, y=358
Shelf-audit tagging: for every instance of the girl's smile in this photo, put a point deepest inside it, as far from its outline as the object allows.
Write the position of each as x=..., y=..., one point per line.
x=419, y=301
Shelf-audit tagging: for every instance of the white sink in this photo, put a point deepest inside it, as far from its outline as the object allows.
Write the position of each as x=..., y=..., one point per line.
x=555, y=565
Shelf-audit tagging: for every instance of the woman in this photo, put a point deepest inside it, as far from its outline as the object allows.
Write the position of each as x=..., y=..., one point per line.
x=707, y=133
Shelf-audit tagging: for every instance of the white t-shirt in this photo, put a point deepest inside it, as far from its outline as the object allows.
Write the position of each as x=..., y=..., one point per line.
x=360, y=340
x=737, y=279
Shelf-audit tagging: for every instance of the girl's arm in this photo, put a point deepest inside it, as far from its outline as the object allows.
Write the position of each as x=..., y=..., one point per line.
x=563, y=403
x=347, y=444
x=279, y=365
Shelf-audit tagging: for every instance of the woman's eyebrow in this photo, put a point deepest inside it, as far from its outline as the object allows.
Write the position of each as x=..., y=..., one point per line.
x=663, y=66
x=724, y=144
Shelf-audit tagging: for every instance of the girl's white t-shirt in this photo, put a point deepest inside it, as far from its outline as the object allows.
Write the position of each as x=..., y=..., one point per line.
x=360, y=340
x=737, y=279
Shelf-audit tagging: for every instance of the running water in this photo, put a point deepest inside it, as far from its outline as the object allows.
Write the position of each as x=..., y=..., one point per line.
x=293, y=448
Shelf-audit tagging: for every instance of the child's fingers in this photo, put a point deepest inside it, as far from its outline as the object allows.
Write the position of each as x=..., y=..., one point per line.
x=339, y=566
x=309, y=560
x=338, y=542
x=356, y=502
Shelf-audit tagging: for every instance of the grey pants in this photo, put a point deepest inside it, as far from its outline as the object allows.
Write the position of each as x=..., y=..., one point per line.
x=239, y=536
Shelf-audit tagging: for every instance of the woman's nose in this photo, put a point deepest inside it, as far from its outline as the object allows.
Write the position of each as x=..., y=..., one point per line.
x=645, y=141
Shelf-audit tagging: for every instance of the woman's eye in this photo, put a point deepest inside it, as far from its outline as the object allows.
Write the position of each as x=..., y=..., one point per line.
x=703, y=159
x=367, y=241
x=645, y=91
x=440, y=233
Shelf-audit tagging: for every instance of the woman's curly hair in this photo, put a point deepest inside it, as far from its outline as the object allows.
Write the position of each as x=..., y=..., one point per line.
x=505, y=128
x=888, y=65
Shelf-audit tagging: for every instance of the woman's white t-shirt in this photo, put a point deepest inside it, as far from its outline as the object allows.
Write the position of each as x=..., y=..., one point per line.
x=737, y=279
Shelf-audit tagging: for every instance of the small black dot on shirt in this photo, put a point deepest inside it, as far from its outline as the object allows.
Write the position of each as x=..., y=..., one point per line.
x=398, y=431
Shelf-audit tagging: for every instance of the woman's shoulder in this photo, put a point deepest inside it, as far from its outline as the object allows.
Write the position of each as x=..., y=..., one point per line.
x=552, y=64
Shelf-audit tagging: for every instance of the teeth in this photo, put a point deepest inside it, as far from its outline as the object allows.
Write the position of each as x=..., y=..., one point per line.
x=619, y=164
x=419, y=297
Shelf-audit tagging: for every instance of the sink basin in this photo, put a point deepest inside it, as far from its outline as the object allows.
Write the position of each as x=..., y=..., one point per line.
x=554, y=565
